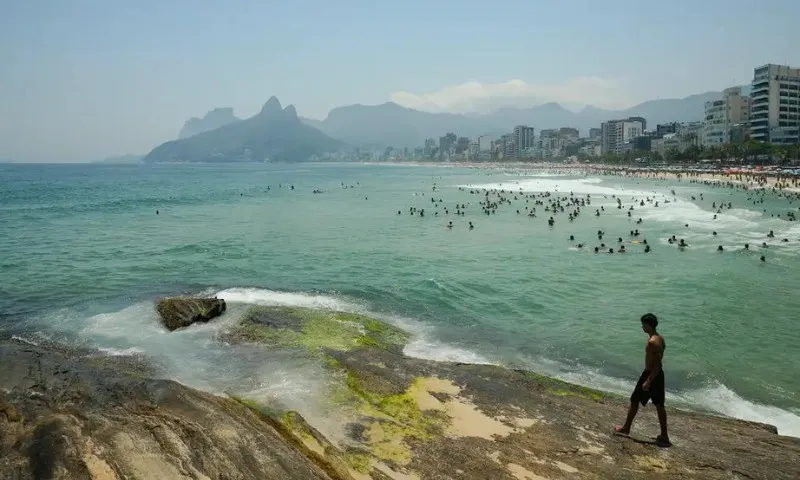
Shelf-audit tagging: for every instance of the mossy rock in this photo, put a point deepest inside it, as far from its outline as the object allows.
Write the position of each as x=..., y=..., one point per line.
x=316, y=330
x=566, y=389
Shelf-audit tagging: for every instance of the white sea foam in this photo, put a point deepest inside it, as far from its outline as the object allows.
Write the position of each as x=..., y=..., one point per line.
x=716, y=397
x=120, y=352
x=425, y=347
x=579, y=186
x=257, y=296
x=721, y=399
x=24, y=340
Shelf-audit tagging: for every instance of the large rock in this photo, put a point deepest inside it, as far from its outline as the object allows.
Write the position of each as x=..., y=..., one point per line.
x=314, y=330
x=179, y=312
x=420, y=419
x=74, y=415
x=412, y=418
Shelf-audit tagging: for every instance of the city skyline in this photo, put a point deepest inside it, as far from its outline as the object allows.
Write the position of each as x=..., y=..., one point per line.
x=89, y=79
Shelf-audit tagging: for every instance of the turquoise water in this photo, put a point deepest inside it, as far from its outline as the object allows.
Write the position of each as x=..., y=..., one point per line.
x=83, y=255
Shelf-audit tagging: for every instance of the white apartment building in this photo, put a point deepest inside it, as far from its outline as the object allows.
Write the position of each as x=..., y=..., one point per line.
x=721, y=115
x=524, y=139
x=616, y=133
x=775, y=104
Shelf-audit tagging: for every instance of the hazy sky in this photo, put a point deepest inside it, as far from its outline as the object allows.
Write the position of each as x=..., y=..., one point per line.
x=84, y=79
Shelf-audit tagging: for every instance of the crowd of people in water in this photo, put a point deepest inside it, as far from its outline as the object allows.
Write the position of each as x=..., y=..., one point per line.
x=555, y=205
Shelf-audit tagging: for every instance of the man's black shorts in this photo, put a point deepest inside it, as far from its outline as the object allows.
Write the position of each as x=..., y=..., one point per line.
x=654, y=394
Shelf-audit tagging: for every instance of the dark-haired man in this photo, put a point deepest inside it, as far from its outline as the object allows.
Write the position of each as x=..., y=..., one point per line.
x=650, y=386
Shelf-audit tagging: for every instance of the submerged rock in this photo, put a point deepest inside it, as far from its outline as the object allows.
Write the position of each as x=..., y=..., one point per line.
x=315, y=330
x=179, y=312
x=63, y=415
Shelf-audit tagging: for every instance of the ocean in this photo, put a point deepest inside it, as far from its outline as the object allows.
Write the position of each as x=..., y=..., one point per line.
x=84, y=256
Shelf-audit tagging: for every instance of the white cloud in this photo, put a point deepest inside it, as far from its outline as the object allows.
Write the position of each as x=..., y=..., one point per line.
x=480, y=97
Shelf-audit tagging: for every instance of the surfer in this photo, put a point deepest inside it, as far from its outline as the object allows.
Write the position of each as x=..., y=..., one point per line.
x=650, y=386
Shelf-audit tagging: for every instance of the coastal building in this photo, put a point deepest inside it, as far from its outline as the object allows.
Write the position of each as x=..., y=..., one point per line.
x=474, y=148
x=485, y=143
x=430, y=149
x=640, y=120
x=462, y=145
x=548, y=143
x=722, y=114
x=524, y=139
x=509, y=145
x=666, y=128
x=775, y=104
x=590, y=147
x=616, y=133
x=568, y=136
x=594, y=133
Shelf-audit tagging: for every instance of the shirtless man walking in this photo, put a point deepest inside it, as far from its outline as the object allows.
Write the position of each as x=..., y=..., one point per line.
x=650, y=386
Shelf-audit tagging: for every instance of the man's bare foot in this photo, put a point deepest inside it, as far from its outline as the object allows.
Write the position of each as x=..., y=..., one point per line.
x=663, y=441
x=621, y=430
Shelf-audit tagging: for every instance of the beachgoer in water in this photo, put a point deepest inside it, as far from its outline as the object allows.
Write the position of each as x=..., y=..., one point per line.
x=763, y=259
x=650, y=386
x=647, y=249
x=719, y=249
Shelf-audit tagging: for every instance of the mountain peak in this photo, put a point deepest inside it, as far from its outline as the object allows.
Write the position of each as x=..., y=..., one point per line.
x=290, y=111
x=215, y=118
x=272, y=106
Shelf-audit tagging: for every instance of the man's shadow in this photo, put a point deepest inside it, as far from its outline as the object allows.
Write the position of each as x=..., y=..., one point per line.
x=653, y=441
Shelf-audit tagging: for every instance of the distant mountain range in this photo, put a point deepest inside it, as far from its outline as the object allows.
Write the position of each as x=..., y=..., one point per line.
x=393, y=125
x=216, y=118
x=274, y=134
x=280, y=134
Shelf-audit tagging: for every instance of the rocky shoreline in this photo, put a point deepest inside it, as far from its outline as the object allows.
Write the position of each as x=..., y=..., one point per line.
x=75, y=414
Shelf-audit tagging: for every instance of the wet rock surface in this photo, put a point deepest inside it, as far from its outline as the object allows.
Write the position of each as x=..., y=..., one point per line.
x=67, y=414
x=179, y=312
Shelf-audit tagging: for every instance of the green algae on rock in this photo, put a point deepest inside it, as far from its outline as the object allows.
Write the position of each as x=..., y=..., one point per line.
x=315, y=329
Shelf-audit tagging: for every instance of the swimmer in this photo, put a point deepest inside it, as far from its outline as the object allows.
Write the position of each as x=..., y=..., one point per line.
x=719, y=249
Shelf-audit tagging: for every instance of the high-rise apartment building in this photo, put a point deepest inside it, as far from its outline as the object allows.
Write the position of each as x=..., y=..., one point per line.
x=524, y=138
x=775, y=104
x=616, y=133
x=721, y=115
